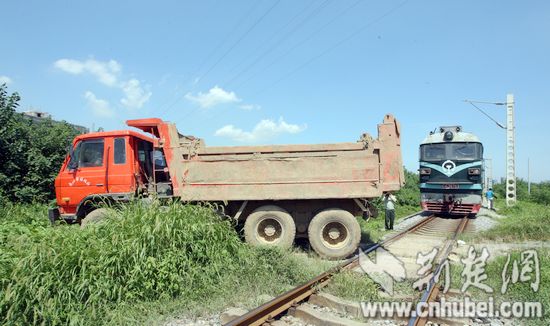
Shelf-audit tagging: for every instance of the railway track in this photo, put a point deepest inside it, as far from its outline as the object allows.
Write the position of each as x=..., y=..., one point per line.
x=428, y=230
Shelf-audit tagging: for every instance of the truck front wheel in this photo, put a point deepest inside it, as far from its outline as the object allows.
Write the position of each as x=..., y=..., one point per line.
x=93, y=217
x=334, y=233
x=270, y=225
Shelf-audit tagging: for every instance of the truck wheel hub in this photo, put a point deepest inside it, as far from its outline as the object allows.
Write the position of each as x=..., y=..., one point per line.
x=269, y=230
x=334, y=235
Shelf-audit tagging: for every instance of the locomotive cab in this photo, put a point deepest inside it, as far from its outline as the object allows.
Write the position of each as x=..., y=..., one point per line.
x=451, y=172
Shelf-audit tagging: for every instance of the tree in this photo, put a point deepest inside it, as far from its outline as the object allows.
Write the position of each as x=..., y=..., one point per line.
x=31, y=152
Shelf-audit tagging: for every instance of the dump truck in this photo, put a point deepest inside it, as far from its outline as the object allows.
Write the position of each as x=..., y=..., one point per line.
x=276, y=193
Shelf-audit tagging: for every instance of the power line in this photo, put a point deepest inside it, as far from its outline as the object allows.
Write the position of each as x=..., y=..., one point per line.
x=226, y=38
x=337, y=44
x=485, y=102
x=259, y=20
x=484, y=113
x=301, y=42
x=232, y=46
x=263, y=45
x=283, y=38
x=170, y=102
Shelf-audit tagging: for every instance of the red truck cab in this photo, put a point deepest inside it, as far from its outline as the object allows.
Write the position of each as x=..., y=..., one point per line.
x=114, y=165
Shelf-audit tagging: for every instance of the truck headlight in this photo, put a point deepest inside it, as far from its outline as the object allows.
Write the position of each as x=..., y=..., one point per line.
x=474, y=171
x=425, y=171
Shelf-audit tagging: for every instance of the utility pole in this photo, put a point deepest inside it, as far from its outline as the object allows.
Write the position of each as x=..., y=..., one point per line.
x=510, y=145
x=488, y=173
x=529, y=176
x=510, y=152
x=488, y=177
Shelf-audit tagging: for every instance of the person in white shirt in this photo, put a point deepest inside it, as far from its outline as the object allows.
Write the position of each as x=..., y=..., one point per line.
x=389, y=205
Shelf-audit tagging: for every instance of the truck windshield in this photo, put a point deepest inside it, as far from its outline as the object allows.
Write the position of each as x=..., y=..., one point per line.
x=451, y=151
x=88, y=153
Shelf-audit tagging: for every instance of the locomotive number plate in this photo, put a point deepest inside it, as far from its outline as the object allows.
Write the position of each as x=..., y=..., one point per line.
x=450, y=186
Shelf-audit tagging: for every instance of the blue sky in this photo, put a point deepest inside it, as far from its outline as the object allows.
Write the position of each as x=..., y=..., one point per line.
x=308, y=71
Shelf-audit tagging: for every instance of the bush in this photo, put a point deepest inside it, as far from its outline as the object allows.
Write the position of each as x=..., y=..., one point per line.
x=65, y=275
x=31, y=152
x=409, y=195
x=540, y=192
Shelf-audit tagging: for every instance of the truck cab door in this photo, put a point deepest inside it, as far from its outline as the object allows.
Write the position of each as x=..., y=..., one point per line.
x=83, y=175
x=120, y=166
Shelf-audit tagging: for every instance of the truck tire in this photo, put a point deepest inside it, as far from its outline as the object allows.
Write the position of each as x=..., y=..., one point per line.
x=270, y=225
x=95, y=216
x=334, y=233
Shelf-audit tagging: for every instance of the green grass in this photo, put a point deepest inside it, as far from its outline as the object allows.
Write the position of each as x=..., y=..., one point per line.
x=353, y=286
x=358, y=287
x=524, y=221
x=518, y=292
x=144, y=264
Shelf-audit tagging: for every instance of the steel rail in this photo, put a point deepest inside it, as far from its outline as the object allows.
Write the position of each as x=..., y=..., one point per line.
x=432, y=290
x=282, y=303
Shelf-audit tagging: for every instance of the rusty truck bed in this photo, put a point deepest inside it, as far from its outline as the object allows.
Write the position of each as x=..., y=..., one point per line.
x=362, y=169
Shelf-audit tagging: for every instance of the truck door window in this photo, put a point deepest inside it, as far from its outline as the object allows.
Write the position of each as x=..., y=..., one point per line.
x=144, y=152
x=120, y=151
x=90, y=153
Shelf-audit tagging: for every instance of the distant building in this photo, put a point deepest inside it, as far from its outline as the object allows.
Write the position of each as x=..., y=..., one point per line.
x=38, y=116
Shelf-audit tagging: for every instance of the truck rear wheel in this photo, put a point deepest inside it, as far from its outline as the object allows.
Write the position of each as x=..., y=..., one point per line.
x=95, y=216
x=270, y=225
x=334, y=233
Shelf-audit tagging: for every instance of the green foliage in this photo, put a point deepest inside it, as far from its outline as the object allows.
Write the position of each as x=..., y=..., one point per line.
x=540, y=192
x=526, y=221
x=409, y=195
x=65, y=275
x=31, y=153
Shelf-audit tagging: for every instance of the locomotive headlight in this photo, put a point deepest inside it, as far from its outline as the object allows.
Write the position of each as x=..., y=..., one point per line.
x=474, y=171
x=425, y=171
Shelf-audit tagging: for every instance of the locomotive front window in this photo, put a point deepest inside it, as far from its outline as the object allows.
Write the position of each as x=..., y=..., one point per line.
x=451, y=151
x=433, y=152
x=465, y=151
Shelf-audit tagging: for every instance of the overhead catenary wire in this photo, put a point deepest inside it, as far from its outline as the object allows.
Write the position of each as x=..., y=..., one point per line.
x=485, y=113
x=170, y=102
x=301, y=42
x=283, y=38
x=279, y=30
x=256, y=22
x=335, y=45
x=230, y=49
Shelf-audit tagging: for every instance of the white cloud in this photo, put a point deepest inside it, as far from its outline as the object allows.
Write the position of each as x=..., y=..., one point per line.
x=264, y=130
x=135, y=96
x=100, y=107
x=108, y=73
x=5, y=80
x=215, y=96
x=250, y=107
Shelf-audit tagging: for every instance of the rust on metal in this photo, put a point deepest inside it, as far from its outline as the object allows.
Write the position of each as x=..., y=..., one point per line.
x=363, y=169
